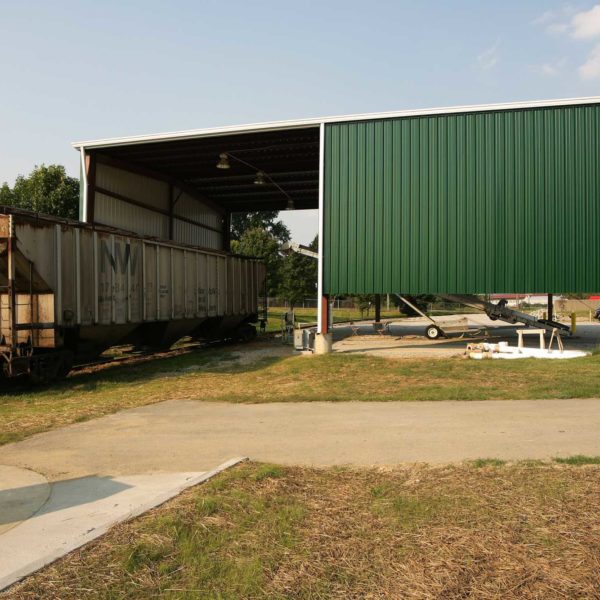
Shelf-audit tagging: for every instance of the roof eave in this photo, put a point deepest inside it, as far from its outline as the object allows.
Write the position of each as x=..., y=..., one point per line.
x=316, y=122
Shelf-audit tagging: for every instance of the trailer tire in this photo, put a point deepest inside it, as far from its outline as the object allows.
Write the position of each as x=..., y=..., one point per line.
x=433, y=332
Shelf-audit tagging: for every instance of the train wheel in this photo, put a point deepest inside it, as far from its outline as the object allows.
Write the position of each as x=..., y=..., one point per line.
x=66, y=364
x=50, y=366
x=433, y=332
x=246, y=333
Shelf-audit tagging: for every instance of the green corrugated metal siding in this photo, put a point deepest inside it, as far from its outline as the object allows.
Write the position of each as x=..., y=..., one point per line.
x=470, y=203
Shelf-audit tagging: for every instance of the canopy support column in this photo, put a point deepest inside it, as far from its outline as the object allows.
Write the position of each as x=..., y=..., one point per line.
x=323, y=339
x=377, y=308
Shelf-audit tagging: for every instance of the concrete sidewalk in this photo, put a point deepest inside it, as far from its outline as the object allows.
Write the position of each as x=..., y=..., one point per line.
x=74, y=512
x=183, y=436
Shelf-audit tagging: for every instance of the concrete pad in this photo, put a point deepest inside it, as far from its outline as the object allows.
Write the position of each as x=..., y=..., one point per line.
x=406, y=337
x=80, y=510
x=22, y=493
x=323, y=343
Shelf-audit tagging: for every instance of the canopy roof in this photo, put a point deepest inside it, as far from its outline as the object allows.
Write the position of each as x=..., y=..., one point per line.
x=290, y=158
x=286, y=151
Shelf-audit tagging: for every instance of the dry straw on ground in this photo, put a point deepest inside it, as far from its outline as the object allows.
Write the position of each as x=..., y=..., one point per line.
x=521, y=531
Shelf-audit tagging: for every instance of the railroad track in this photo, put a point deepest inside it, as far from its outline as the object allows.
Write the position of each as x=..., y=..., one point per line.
x=140, y=356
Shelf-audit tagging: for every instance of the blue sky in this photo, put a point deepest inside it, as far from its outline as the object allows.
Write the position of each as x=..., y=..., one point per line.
x=84, y=70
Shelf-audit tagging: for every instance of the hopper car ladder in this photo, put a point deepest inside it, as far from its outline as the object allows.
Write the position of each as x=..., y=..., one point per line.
x=17, y=356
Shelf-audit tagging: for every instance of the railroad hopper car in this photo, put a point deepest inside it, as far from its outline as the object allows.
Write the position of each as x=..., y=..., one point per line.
x=70, y=290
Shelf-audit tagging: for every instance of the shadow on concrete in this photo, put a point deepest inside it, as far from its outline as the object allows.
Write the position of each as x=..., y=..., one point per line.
x=63, y=494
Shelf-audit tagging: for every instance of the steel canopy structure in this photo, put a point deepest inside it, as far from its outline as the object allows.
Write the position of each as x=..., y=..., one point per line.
x=292, y=156
x=463, y=200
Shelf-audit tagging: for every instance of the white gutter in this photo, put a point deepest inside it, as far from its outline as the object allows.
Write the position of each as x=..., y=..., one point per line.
x=321, y=247
x=84, y=195
x=316, y=122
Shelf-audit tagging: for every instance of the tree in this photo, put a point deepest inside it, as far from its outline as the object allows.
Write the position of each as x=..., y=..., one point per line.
x=6, y=195
x=299, y=276
x=259, y=243
x=267, y=220
x=47, y=189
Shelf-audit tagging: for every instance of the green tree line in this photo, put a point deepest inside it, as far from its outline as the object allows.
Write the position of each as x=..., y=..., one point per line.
x=47, y=189
x=292, y=276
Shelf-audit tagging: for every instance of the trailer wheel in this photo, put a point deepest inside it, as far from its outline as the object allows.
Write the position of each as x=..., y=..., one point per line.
x=433, y=332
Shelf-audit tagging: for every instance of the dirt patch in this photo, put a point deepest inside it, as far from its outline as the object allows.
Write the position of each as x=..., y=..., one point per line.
x=256, y=352
x=401, y=347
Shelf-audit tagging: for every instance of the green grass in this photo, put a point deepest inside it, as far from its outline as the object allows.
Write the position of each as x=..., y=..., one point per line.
x=415, y=511
x=579, y=459
x=269, y=472
x=268, y=532
x=478, y=463
x=211, y=533
x=216, y=375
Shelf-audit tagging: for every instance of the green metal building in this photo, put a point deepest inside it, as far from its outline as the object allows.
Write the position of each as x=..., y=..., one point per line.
x=487, y=201
x=464, y=200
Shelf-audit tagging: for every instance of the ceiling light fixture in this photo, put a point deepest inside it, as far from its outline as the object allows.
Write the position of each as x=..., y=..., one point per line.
x=223, y=161
x=261, y=177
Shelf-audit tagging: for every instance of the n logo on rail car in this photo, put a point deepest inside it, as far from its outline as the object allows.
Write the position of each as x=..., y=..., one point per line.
x=120, y=259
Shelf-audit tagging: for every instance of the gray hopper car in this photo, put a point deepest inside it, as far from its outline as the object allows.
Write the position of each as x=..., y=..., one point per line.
x=69, y=291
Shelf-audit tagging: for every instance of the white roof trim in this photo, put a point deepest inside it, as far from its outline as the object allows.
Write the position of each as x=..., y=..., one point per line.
x=315, y=122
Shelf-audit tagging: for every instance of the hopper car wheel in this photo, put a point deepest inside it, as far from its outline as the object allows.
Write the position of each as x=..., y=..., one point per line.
x=433, y=332
x=48, y=367
x=246, y=333
x=44, y=368
x=66, y=364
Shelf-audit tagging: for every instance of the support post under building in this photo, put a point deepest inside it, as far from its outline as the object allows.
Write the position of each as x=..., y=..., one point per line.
x=323, y=339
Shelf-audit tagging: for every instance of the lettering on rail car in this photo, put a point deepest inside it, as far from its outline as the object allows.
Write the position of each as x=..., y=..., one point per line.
x=120, y=259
